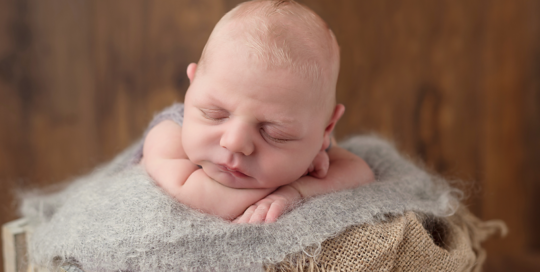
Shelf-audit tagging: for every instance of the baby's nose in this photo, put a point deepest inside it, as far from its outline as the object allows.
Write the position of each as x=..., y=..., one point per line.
x=237, y=139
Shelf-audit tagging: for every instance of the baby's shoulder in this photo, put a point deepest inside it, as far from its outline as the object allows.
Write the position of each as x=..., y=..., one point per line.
x=166, y=128
x=163, y=138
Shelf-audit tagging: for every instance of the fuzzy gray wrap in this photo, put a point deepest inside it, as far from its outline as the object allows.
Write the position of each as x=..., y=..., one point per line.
x=117, y=219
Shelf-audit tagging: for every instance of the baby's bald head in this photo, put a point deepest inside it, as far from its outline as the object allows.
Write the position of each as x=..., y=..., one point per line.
x=280, y=35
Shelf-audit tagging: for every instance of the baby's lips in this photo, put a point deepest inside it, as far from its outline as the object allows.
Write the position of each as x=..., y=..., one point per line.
x=233, y=171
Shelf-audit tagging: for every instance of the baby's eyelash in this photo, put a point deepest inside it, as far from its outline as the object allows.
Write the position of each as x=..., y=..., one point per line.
x=207, y=116
x=277, y=140
x=213, y=119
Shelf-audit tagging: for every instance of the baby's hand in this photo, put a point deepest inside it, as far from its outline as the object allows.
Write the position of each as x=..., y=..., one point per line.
x=319, y=166
x=271, y=207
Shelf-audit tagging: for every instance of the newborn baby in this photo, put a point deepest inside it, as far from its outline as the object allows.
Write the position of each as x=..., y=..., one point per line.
x=258, y=117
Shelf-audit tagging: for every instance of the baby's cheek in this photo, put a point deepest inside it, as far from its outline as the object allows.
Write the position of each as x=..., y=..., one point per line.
x=196, y=140
x=188, y=141
x=293, y=168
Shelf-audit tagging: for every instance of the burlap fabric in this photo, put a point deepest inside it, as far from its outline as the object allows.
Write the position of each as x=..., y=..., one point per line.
x=410, y=242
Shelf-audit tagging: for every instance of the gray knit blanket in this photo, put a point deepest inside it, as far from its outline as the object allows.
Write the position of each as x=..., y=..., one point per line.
x=117, y=219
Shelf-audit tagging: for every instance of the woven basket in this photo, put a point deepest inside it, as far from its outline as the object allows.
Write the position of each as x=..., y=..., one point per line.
x=405, y=243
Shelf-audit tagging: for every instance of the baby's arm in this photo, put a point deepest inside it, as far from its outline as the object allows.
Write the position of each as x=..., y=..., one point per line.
x=166, y=162
x=346, y=171
x=209, y=196
x=164, y=158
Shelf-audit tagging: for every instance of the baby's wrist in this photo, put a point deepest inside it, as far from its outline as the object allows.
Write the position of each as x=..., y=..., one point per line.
x=291, y=192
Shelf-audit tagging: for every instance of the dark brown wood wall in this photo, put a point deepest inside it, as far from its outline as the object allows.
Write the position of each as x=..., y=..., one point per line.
x=455, y=83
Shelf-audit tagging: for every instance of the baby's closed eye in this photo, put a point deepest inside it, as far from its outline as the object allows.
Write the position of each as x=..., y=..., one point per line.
x=214, y=114
x=274, y=138
x=276, y=134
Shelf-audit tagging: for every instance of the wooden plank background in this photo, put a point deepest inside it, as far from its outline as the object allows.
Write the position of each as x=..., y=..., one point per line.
x=455, y=83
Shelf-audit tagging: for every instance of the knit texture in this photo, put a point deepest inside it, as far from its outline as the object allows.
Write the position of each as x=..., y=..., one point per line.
x=117, y=219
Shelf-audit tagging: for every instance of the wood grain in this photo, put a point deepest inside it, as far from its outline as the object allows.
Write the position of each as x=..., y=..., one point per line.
x=455, y=84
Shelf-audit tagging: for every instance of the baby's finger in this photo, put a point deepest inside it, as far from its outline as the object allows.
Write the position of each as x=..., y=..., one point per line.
x=260, y=214
x=324, y=169
x=275, y=210
x=320, y=173
x=247, y=215
x=311, y=167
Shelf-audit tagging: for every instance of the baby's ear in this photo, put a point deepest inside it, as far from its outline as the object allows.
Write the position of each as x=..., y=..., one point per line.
x=191, y=69
x=336, y=115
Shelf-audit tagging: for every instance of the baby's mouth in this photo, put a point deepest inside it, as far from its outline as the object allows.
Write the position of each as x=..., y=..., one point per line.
x=232, y=171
